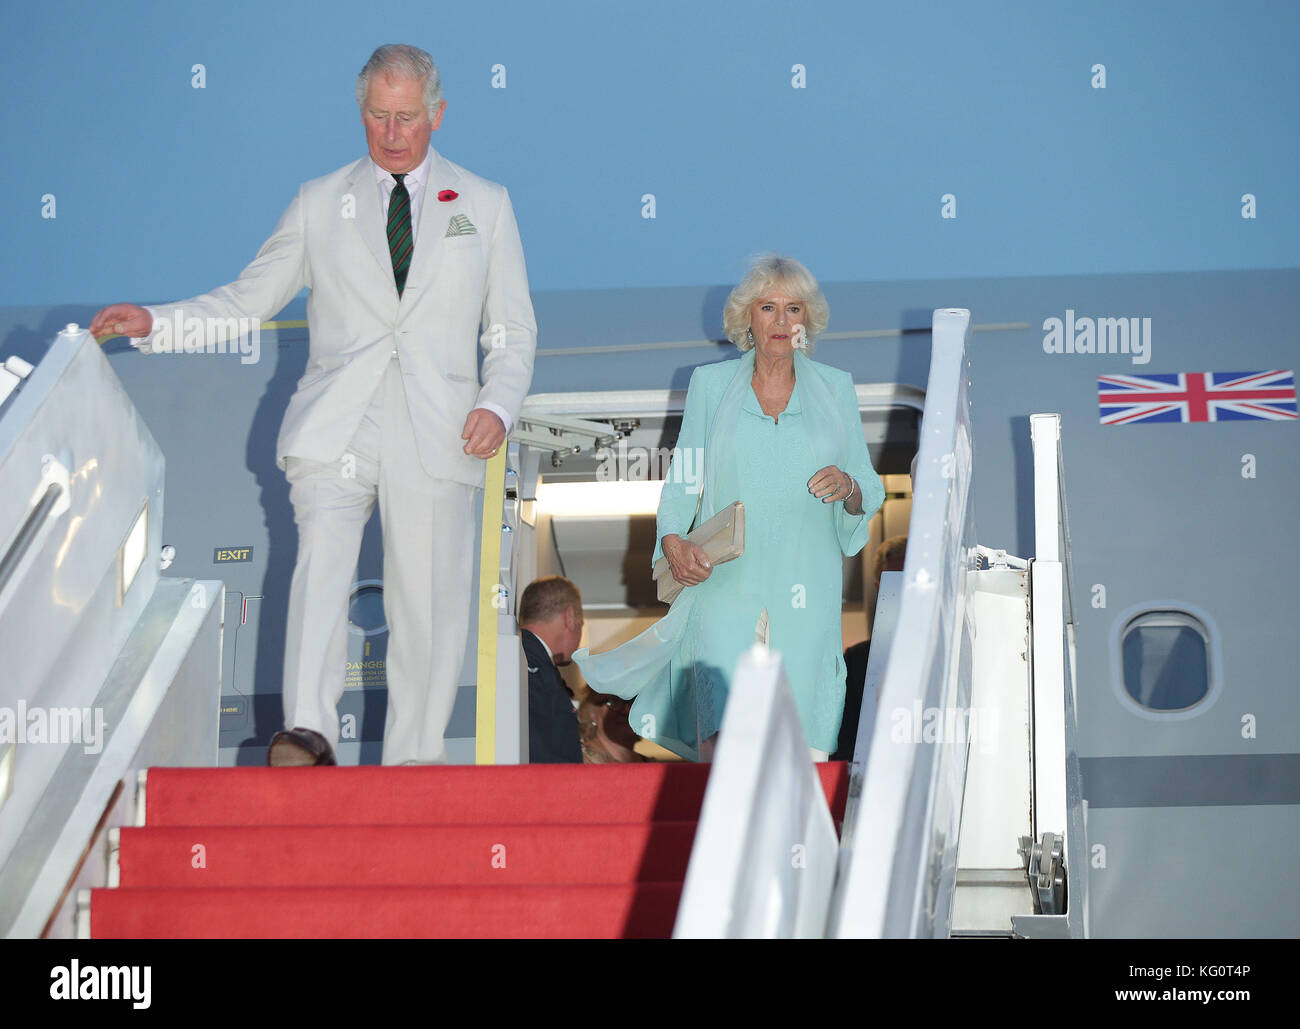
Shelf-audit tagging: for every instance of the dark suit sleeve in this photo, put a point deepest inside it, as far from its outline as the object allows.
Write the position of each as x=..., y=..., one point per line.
x=552, y=724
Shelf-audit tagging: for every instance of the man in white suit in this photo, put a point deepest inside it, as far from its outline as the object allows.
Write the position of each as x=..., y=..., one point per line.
x=409, y=260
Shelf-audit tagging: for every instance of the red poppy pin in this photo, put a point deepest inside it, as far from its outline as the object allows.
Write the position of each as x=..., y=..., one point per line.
x=447, y=195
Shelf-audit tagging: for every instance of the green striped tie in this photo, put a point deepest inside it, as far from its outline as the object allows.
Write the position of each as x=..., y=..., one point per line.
x=400, y=243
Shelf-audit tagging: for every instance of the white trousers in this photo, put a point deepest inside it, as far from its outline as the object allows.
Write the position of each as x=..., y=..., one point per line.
x=428, y=534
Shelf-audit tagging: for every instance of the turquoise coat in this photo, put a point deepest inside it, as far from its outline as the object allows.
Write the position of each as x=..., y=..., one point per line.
x=679, y=671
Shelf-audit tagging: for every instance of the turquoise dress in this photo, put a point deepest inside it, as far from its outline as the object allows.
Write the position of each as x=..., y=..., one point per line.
x=679, y=671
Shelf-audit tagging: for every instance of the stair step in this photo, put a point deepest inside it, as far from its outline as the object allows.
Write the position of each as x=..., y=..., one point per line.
x=388, y=855
x=640, y=910
x=446, y=794
x=425, y=795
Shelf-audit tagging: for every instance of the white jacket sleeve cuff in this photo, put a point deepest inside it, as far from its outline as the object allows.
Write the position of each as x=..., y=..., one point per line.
x=499, y=411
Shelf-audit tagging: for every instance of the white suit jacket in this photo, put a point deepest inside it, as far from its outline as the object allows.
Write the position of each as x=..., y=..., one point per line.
x=459, y=290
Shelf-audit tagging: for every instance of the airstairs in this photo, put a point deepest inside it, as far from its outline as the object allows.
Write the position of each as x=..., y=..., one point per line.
x=535, y=851
x=960, y=814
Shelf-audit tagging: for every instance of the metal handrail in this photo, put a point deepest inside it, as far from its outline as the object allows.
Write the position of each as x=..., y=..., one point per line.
x=28, y=532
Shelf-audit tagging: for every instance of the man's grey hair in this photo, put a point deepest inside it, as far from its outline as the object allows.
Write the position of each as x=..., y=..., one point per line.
x=784, y=273
x=403, y=62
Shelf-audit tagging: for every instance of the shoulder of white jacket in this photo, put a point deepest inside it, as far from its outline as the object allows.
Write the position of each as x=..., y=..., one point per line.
x=462, y=177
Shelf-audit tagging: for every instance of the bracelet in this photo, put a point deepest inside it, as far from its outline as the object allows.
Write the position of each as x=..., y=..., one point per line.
x=851, y=489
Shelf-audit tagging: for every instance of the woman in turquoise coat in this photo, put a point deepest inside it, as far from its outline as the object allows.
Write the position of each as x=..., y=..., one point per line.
x=783, y=434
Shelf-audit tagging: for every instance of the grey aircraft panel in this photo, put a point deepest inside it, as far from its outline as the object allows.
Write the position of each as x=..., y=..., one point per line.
x=1200, y=780
x=1191, y=872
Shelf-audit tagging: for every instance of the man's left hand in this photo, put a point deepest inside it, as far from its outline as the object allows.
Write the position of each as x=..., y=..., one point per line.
x=485, y=433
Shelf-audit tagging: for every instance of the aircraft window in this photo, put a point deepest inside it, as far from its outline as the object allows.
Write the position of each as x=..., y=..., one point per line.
x=1166, y=660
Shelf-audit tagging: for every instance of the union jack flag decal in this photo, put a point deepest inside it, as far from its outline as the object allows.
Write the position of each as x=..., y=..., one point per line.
x=1197, y=397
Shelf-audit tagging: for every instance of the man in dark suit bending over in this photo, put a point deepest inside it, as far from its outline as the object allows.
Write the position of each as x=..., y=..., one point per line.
x=550, y=617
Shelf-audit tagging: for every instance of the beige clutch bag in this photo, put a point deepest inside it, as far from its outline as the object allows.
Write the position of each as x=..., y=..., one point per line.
x=723, y=540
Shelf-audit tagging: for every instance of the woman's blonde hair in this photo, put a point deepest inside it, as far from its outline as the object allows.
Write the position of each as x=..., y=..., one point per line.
x=768, y=271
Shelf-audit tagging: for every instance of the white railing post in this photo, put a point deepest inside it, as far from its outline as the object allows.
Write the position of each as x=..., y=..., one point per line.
x=899, y=866
x=763, y=863
x=1058, y=786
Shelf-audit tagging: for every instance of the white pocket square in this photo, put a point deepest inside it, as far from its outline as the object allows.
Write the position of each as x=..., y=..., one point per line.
x=460, y=225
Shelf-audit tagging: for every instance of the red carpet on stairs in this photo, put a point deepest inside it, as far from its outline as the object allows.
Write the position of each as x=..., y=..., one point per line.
x=542, y=851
